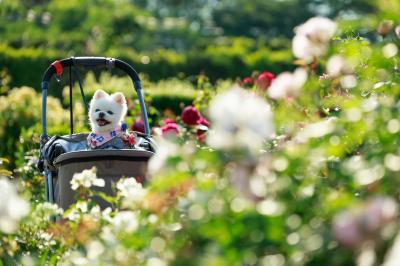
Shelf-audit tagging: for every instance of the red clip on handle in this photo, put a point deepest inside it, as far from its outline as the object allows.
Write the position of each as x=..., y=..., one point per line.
x=59, y=68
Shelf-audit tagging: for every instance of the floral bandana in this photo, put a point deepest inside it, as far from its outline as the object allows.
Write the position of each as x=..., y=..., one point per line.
x=95, y=140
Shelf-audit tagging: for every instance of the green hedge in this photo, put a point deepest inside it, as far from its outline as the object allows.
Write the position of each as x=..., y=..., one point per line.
x=20, y=110
x=25, y=66
x=170, y=94
x=230, y=59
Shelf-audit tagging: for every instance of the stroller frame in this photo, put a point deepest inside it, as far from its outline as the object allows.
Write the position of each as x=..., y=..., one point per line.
x=86, y=62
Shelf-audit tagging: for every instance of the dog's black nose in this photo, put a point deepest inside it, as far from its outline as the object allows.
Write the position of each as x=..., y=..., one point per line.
x=101, y=115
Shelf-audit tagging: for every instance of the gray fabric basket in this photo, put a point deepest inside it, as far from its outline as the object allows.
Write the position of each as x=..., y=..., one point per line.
x=63, y=156
x=111, y=165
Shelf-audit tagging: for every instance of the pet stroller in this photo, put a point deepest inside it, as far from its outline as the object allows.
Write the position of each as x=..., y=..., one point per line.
x=63, y=156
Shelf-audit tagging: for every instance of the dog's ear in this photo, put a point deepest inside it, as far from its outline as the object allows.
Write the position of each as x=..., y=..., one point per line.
x=119, y=98
x=99, y=94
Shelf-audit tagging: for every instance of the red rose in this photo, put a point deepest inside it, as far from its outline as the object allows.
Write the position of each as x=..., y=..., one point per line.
x=138, y=126
x=170, y=128
x=190, y=115
x=202, y=129
x=200, y=136
x=264, y=80
x=203, y=121
x=131, y=140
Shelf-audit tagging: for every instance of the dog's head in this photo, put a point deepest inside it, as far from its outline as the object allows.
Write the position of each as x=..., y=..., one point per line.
x=106, y=111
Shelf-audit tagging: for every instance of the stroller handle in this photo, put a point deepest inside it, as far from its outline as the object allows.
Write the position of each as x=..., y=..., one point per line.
x=91, y=62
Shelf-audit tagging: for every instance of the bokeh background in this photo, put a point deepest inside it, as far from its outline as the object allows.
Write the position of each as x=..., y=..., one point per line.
x=171, y=38
x=267, y=156
x=170, y=43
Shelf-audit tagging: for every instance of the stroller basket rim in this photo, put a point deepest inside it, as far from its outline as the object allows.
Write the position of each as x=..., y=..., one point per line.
x=103, y=155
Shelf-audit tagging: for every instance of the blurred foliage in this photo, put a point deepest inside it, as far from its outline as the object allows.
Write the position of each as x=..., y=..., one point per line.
x=20, y=114
x=26, y=65
x=159, y=38
x=20, y=110
x=172, y=90
x=322, y=191
x=163, y=97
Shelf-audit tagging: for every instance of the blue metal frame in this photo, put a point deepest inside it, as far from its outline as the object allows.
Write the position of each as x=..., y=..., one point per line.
x=138, y=87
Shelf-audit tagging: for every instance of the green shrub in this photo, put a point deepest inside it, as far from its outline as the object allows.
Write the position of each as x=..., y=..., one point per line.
x=21, y=110
x=227, y=60
x=26, y=66
x=162, y=95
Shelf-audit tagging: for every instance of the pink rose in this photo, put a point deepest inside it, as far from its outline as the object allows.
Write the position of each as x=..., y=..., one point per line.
x=379, y=211
x=385, y=27
x=352, y=228
x=264, y=80
x=190, y=115
x=397, y=31
x=170, y=129
x=346, y=229
x=203, y=121
x=247, y=82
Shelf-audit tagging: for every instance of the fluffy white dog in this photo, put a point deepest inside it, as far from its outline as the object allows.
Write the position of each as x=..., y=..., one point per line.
x=107, y=111
x=106, y=115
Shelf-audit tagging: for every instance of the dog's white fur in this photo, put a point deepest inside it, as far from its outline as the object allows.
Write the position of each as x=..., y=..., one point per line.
x=112, y=107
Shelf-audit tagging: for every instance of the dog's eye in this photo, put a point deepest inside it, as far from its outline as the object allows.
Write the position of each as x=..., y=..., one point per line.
x=110, y=113
x=97, y=110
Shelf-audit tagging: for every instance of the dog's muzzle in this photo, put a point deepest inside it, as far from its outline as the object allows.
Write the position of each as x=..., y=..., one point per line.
x=102, y=122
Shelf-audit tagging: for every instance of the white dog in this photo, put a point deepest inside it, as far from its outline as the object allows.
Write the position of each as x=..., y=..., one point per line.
x=106, y=115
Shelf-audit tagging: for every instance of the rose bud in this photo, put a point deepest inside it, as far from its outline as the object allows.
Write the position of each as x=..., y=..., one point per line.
x=264, y=80
x=385, y=27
